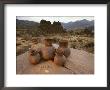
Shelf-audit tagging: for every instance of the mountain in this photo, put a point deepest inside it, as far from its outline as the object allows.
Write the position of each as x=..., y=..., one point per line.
x=25, y=24
x=78, y=24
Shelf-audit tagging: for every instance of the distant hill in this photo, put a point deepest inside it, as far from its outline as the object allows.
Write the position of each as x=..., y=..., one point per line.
x=79, y=24
x=25, y=24
x=43, y=28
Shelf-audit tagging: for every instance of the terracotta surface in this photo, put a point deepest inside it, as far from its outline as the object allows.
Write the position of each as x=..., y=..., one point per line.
x=79, y=62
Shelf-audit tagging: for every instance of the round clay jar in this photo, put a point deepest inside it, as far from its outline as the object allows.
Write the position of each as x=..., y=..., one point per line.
x=59, y=58
x=63, y=44
x=48, y=52
x=34, y=57
x=48, y=42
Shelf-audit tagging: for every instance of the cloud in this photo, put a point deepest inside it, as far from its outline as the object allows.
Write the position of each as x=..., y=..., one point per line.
x=55, y=18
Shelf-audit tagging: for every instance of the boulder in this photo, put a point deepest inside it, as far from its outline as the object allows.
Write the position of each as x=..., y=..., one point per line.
x=79, y=62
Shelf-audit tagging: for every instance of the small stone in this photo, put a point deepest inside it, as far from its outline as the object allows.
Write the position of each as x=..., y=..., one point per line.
x=46, y=71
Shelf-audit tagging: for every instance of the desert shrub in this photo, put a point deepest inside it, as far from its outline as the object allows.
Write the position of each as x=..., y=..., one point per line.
x=18, y=43
x=27, y=37
x=73, y=45
x=22, y=49
x=23, y=41
x=55, y=40
x=18, y=34
x=89, y=47
x=80, y=40
x=82, y=44
x=90, y=44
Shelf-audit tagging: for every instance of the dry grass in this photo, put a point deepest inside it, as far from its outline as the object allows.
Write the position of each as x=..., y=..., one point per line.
x=76, y=42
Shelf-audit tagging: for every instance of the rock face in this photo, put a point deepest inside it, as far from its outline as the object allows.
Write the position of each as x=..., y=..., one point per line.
x=79, y=62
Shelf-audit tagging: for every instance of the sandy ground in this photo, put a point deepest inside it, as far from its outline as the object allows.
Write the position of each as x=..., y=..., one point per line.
x=79, y=62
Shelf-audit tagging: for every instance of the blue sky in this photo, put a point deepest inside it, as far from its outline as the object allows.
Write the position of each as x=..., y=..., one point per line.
x=55, y=18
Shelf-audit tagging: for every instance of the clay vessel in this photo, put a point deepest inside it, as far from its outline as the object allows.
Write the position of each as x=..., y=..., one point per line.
x=48, y=52
x=63, y=44
x=59, y=58
x=34, y=57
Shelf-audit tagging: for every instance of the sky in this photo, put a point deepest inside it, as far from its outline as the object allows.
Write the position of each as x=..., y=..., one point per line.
x=64, y=19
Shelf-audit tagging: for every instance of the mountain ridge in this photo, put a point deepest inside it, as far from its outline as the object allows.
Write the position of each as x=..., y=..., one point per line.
x=79, y=24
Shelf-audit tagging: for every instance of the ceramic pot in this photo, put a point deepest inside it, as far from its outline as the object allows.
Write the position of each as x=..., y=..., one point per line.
x=66, y=52
x=48, y=42
x=34, y=57
x=59, y=58
x=64, y=46
x=48, y=53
